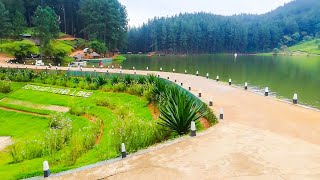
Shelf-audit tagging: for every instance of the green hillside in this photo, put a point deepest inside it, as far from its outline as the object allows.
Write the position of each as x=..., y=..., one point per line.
x=309, y=47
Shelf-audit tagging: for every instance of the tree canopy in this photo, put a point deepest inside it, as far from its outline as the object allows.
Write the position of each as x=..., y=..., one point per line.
x=245, y=33
x=102, y=20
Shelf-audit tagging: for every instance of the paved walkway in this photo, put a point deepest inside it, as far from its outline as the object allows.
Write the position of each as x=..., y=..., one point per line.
x=260, y=138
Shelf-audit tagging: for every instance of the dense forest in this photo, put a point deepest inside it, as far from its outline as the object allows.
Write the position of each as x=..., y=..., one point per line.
x=208, y=33
x=101, y=20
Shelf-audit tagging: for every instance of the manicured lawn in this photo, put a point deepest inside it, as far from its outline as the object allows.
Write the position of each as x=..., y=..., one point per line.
x=23, y=127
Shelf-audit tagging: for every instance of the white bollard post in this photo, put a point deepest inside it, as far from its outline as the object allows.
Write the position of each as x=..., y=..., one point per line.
x=120, y=67
x=295, y=98
x=217, y=78
x=173, y=70
x=246, y=86
x=56, y=67
x=175, y=80
x=158, y=76
x=185, y=71
x=168, y=77
x=189, y=87
x=133, y=68
x=197, y=73
x=200, y=93
x=46, y=169
x=207, y=75
x=210, y=102
x=193, y=129
x=266, y=91
x=181, y=84
x=147, y=68
x=161, y=69
x=123, y=151
x=230, y=82
x=221, y=113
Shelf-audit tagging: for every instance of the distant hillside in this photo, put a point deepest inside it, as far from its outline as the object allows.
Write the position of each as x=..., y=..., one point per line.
x=309, y=47
x=209, y=33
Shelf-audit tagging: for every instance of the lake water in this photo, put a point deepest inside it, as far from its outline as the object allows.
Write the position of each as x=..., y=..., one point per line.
x=284, y=75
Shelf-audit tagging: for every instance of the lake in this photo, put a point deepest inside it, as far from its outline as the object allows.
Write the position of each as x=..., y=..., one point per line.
x=284, y=75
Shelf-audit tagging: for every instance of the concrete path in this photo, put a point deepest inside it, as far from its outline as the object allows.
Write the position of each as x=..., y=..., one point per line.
x=260, y=138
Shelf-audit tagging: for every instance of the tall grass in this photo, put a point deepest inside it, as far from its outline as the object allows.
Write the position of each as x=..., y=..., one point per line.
x=5, y=87
x=135, y=133
x=58, y=137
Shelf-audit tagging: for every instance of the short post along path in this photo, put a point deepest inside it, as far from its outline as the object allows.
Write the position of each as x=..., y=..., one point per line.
x=259, y=138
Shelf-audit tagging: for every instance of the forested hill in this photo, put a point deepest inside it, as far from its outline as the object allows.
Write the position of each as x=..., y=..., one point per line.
x=208, y=33
x=102, y=20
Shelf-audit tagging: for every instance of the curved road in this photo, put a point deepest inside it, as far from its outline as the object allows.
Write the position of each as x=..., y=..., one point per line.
x=260, y=138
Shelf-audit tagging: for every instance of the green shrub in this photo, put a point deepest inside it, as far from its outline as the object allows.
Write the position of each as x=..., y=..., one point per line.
x=100, y=81
x=135, y=133
x=5, y=87
x=135, y=89
x=178, y=109
x=128, y=79
x=78, y=110
x=105, y=102
x=115, y=80
x=119, y=87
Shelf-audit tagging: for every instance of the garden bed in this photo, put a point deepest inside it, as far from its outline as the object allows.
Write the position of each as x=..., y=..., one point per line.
x=119, y=109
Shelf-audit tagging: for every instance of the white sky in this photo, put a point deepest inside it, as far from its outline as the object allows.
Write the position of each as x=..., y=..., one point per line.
x=140, y=11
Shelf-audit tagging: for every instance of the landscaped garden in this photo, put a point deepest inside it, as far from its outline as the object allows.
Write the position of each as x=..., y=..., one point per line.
x=75, y=119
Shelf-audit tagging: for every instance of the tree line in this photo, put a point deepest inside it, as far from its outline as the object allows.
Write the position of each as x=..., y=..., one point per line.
x=208, y=33
x=101, y=20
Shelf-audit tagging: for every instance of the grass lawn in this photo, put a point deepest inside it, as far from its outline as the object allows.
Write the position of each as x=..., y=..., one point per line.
x=23, y=127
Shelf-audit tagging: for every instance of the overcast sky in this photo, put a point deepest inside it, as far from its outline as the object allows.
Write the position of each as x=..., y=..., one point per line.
x=140, y=11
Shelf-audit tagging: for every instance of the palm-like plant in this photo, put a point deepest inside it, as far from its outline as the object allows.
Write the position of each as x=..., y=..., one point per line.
x=100, y=81
x=178, y=110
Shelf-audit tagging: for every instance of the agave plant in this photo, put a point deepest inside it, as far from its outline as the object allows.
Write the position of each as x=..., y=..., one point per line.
x=88, y=79
x=178, y=109
x=128, y=79
x=115, y=80
x=100, y=81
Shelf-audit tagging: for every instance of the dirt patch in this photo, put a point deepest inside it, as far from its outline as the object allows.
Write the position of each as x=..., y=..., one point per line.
x=93, y=119
x=67, y=39
x=101, y=134
x=205, y=123
x=4, y=58
x=4, y=142
x=90, y=117
x=154, y=110
x=24, y=112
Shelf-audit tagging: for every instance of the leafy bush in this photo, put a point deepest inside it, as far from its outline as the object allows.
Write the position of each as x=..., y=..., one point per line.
x=135, y=89
x=178, y=110
x=119, y=87
x=135, y=133
x=5, y=87
x=78, y=110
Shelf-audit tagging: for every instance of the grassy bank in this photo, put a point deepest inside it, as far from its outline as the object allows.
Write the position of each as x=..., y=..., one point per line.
x=116, y=112
x=304, y=48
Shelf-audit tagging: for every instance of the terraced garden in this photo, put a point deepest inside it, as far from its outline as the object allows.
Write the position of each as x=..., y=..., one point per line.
x=74, y=121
